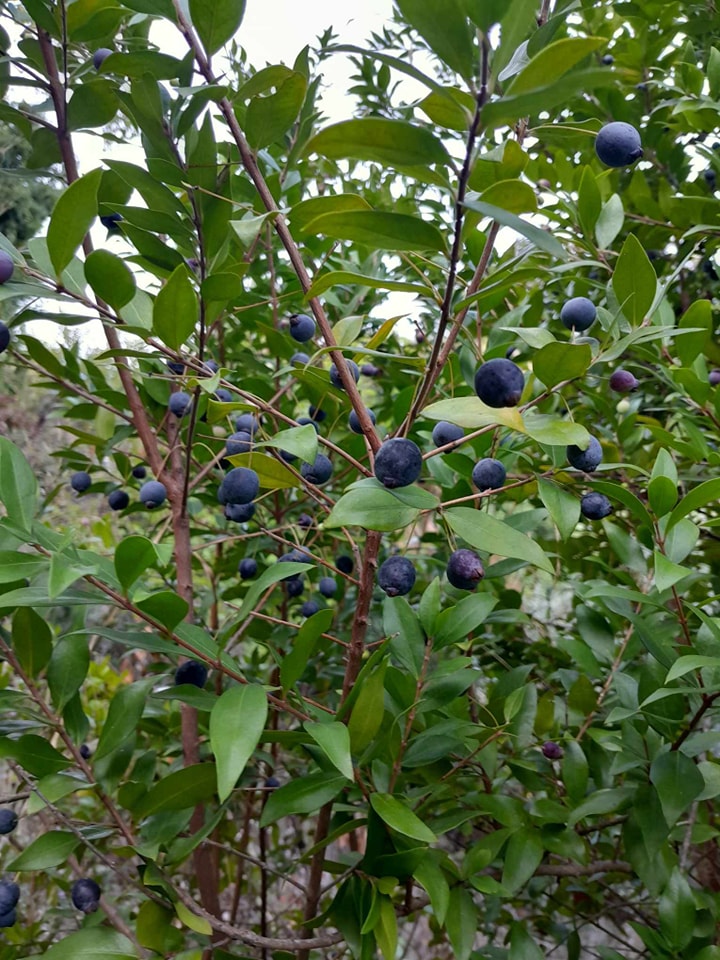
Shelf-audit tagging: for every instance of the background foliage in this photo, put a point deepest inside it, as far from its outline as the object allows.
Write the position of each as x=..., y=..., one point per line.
x=368, y=780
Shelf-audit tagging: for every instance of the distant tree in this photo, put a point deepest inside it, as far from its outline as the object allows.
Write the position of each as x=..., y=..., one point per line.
x=25, y=200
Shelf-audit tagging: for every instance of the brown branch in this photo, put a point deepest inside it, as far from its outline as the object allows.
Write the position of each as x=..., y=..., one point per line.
x=316, y=871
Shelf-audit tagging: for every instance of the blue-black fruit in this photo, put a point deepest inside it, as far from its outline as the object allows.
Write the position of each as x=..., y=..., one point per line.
x=85, y=895
x=445, y=432
x=80, y=481
x=499, y=383
x=328, y=586
x=8, y=919
x=595, y=506
x=152, y=494
x=302, y=327
x=211, y=366
x=398, y=463
x=240, y=442
x=396, y=576
x=272, y=783
x=464, y=569
x=585, y=460
x=354, y=420
x=714, y=378
x=192, y=671
x=344, y=564
x=239, y=512
x=85, y=751
x=488, y=474
x=309, y=608
x=299, y=359
x=618, y=144
x=118, y=500
x=247, y=423
x=294, y=586
x=223, y=396
x=316, y=413
x=307, y=421
x=8, y=820
x=551, y=750
x=110, y=221
x=622, y=381
x=370, y=370
x=318, y=472
x=710, y=177
x=4, y=337
x=180, y=403
x=9, y=896
x=240, y=485
x=578, y=313
x=305, y=520
x=335, y=374
x=608, y=59
x=7, y=266
x=139, y=472
x=175, y=366
x=247, y=568
x=102, y=54
x=294, y=556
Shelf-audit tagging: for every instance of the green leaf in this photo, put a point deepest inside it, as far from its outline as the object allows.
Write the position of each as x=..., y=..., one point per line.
x=345, y=278
x=562, y=506
x=192, y=920
x=91, y=943
x=634, y=281
x=34, y=754
x=304, y=795
x=393, y=142
x=575, y=770
x=370, y=508
x=273, y=574
x=48, y=850
x=133, y=556
x=161, y=66
x=380, y=230
x=68, y=668
x=471, y=414
x=463, y=618
x=236, y=722
x=602, y=801
x=522, y=858
x=699, y=496
x=16, y=566
x=71, y=219
x=175, y=312
x=248, y=228
x=677, y=781
x=124, y=713
x=689, y=663
x=462, y=922
x=400, y=817
x=300, y=441
x=216, y=22
x=676, y=910
x=295, y=661
x=385, y=930
x=610, y=221
x=31, y=639
x=166, y=606
x=367, y=714
x=667, y=573
x=306, y=211
x=697, y=316
x=542, y=239
x=407, y=640
x=451, y=108
x=444, y=25
x=53, y=788
x=558, y=361
x=554, y=432
x=334, y=741
x=496, y=537
x=516, y=196
x=272, y=474
x=523, y=946
x=589, y=201
x=18, y=486
x=110, y=278
x=553, y=62
x=179, y=790
x=269, y=117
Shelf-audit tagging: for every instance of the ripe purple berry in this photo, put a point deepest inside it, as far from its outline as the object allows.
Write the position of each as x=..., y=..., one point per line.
x=618, y=144
x=396, y=576
x=499, y=383
x=398, y=463
x=464, y=569
x=622, y=381
x=552, y=751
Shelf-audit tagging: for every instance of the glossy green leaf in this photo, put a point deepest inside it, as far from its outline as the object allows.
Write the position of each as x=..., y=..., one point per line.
x=236, y=723
x=344, y=278
x=192, y=920
x=515, y=196
x=303, y=213
x=161, y=66
x=53, y=788
x=407, y=640
x=562, y=506
x=610, y=221
x=334, y=741
x=31, y=640
x=676, y=910
x=18, y=486
x=443, y=24
x=216, y=22
x=558, y=361
x=553, y=62
x=124, y=713
x=667, y=573
x=677, y=781
x=19, y=566
x=179, y=790
x=634, y=280
x=296, y=660
x=555, y=432
x=110, y=278
x=376, y=139
x=462, y=922
x=542, y=239
x=575, y=771
x=400, y=817
x=269, y=117
x=367, y=715
x=48, y=850
x=460, y=620
x=300, y=441
x=589, y=201
x=371, y=508
x=34, y=754
x=71, y=219
x=266, y=579
x=91, y=943
x=494, y=536
x=68, y=668
x=699, y=496
x=379, y=230
x=698, y=316
x=522, y=858
x=167, y=607
x=471, y=413
x=303, y=795
x=175, y=312
x=133, y=556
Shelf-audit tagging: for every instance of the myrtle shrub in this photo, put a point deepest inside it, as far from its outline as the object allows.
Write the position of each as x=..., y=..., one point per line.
x=347, y=636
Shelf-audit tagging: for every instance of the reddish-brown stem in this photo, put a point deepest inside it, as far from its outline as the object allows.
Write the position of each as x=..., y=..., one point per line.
x=316, y=871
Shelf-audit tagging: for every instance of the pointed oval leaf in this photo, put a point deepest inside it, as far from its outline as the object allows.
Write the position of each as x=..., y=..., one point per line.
x=399, y=817
x=124, y=713
x=71, y=219
x=634, y=280
x=305, y=795
x=110, y=278
x=18, y=486
x=236, y=723
x=68, y=668
x=90, y=944
x=334, y=741
x=384, y=141
x=494, y=536
x=216, y=22
x=175, y=312
x=179, y=790
x=132, y=558
x=380, y=230
x=48, y=850
x=558, y=361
